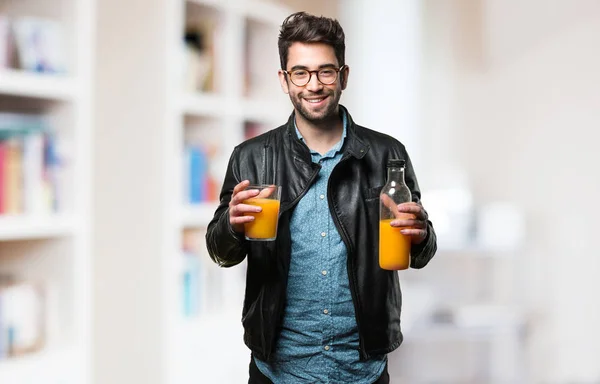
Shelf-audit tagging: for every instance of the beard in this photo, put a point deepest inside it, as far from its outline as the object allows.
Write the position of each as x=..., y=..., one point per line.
x=326, y=112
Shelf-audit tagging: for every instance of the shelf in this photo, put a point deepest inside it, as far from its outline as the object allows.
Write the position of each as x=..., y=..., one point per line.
x=35, y=227
x=268, y=13
x=36, y=85
x=198, y=215
x=479, y=320
x=48, y=367
x=273, y=112
x=217, y=4
x=200, y=104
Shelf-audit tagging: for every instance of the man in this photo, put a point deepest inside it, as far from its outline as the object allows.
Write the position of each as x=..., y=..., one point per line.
x=318, y=308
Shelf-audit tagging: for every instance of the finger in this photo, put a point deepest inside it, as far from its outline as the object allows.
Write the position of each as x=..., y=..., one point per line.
x=241, y=196
x=404, y=216
x=241, y=219
x=389, y=203
x=248, y=208
x=419, y=224
x=414, y=208
x=241, y=186
x=422, y=233
x=409, y=207
x=242, y=209
x=266, y=192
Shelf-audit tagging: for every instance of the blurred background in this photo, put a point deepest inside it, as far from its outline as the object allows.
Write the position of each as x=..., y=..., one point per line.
x=117, y=119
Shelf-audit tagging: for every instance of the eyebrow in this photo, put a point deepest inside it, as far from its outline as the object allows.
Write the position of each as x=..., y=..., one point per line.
x=322, y=66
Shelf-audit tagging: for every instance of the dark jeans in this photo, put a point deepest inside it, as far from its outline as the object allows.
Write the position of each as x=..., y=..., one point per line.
x=256, y=376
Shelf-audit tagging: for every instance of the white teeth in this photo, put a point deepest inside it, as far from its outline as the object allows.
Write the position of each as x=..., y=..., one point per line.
x=314, y=100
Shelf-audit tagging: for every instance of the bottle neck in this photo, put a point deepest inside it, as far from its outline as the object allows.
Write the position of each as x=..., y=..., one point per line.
x=395, y=174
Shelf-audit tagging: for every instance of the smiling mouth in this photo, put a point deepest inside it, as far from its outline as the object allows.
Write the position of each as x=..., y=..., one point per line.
x=315, y=101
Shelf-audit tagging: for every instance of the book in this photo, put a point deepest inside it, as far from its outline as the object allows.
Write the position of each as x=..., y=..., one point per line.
x=197, y=168
x=22, y=315
x=5, y=42
x=40, y=44
x=13, y=177
x=29, y=165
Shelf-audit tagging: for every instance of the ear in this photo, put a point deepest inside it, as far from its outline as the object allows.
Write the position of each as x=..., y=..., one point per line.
x=283, y=81
x=344, y=77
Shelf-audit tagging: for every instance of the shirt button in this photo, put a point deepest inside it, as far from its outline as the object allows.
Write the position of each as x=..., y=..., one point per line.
x=327, y=347
x=322, y=197
x=325, y=311
x=323, y=234
x=323, y=272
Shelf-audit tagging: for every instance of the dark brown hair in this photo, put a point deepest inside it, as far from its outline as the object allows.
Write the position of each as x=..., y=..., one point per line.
x=305, y=28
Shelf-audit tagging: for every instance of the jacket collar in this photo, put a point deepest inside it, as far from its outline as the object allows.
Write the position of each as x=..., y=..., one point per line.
x=354, y=145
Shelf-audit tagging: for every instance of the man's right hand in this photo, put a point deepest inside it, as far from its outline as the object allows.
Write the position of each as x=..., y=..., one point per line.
x=237, y=208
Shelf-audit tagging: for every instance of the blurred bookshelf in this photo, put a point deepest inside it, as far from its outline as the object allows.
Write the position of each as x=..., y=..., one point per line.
x=45, y=128
x=35, y=85
x=224, y=87
x=24, y=227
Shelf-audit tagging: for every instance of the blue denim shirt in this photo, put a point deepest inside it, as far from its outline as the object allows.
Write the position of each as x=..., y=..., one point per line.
x=318, y=342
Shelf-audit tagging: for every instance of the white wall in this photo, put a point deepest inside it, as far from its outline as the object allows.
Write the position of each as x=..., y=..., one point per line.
x=525, y=111
x=510, y=92
x=316, y=7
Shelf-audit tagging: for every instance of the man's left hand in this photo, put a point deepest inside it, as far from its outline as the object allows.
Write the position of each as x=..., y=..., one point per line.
x=413, y=220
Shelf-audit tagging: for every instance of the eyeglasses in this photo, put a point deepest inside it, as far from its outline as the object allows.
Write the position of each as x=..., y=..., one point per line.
x=326, y=76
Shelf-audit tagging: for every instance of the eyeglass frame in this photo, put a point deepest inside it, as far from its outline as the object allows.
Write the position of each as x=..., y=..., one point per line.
x=310, y=73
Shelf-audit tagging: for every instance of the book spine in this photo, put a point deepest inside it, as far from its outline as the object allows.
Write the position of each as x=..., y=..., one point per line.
x=33, y=174
x=197, y=175
x=13, y=190
x=3, y=155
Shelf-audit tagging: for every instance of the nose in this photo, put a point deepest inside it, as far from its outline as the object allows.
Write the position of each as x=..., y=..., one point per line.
x=314, y=84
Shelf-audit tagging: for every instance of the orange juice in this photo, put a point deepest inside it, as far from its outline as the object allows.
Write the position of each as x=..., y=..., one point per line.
x=394, y=247
x=264, y=226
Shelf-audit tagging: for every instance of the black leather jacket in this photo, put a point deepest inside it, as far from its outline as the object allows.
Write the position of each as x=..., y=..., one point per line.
x=279, y=157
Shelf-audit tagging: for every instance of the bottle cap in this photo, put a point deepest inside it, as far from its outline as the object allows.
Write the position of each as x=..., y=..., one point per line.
x=396, y=163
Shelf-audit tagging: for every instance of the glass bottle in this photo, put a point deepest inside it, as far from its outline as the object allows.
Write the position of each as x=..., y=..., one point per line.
x=394, y=247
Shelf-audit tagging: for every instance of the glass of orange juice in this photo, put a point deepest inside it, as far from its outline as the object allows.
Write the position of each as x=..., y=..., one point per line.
x=264, y=225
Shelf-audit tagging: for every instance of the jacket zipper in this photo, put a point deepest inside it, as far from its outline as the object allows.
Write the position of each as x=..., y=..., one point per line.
x=349, y=264
x=266, y=161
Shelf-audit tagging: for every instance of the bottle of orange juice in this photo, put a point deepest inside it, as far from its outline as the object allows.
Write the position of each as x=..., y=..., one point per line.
x=394, y=247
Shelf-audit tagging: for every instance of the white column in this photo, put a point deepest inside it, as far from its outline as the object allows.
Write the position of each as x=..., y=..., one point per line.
x=129, y=156
x=383, y=40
